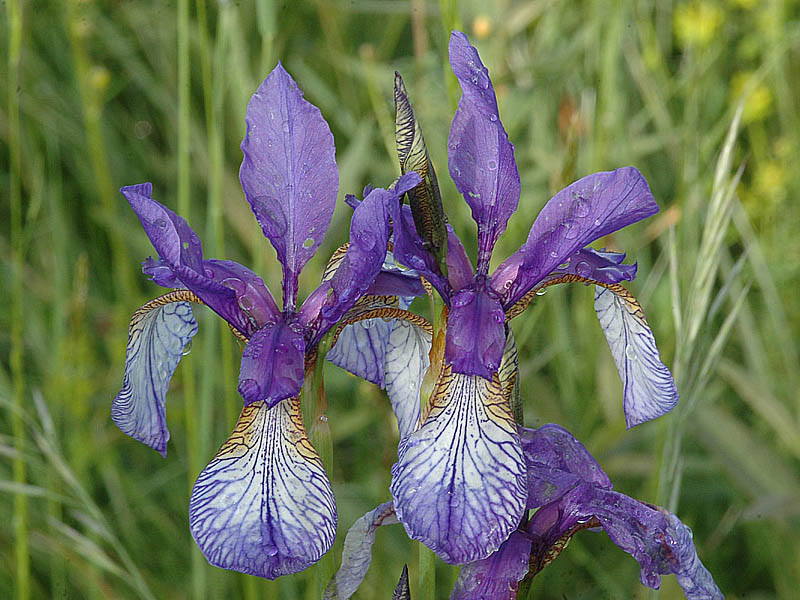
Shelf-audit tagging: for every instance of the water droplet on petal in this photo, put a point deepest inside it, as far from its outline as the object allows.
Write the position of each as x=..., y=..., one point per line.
x=541, y=291
x=597, y=222
x=583, y=269
x=308, y=242
x=570, y=229
x=492, y=165
x=553, y=254
x=493, y=118
x=161, y=223
x=187, y=348
x=630, y=352
x=581, y=206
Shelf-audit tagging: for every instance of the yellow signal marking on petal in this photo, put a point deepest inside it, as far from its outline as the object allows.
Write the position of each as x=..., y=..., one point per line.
x=336, y=259
x=246, y=432
x=492, y=395
x=633, y=306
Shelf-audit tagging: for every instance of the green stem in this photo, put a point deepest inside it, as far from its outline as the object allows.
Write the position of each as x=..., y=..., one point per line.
x=14, y=15
x=427, y=573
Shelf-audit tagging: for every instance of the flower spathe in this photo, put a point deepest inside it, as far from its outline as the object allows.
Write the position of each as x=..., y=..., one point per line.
x=465, y=459
x=264, y=504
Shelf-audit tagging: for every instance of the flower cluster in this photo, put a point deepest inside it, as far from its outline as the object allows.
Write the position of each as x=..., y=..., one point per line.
x=471, y=482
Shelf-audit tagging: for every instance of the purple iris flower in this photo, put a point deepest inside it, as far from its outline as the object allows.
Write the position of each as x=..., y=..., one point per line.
x=263, y=505
x=569, y=492
x=459, y=485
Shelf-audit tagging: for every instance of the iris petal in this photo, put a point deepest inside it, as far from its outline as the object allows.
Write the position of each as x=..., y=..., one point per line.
x=406, y=363
x=649, y=390
x=272, y=364
x=157, y=336
x=289, y=173
x=496, y=577
x=459, y=485
x=582, y=212
x=264, y=505
x=480, y=156
x=357, y=552
x=475, y=333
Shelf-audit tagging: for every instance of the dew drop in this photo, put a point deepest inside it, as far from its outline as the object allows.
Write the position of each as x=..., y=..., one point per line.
x=597, y=222
x=570, y=229
x=323, y=418
x=564, y=265
x=583, y=269
x=492, y=165
x=581, y=206
x=308, y=242
x=630, y=352
x=187, y=348
x=493, y=118
x=541, y=291
x=161, y=223
x=553, y=254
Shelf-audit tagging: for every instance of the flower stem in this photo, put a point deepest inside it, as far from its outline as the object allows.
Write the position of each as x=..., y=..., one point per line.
x=427, y=573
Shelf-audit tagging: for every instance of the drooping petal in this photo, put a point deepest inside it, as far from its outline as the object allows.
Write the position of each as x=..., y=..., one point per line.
x=169, y=233
x=361, y=349
x=648, y=387
x=160, y=272
x=459, y=484
x=289, y=173
x=692, y=575
x=157, y=336
x=272, y=364
x=658, y=541
x=582, y=212
x=496, y=577
x=475, y=333
x=357, y=552
x=264, y=505
x=557, y=462
x=480, y=156
x=407, y=361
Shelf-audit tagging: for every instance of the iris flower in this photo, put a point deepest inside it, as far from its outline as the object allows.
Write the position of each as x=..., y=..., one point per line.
x=569, y=492
x=459, y=485
x=263, y=505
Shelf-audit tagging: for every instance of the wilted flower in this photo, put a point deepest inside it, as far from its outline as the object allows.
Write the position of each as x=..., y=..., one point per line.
x=264, y=504
x=460, y=480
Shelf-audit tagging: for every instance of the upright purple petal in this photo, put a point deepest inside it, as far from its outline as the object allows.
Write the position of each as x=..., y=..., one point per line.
x=410, y=250
x=157, y=336
x=272, y=364
x=648, y=387
x=557, y=462
x=459, y=485
x=459, y=267
x=582, y=212
x=476, y=334
x=264, y=505
x=369, y=235
x=496, y=577
x=289, y=173
x=480, y=157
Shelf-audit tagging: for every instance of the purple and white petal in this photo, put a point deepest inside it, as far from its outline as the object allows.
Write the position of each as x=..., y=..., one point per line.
x=600, y=265
x=476, y=335
x=170, y=234
x=361, y=349
x=648, y=387
x=496, y=577
x=480, y=156
x=289, y=173
x=557, y=462
x=407, y=361
x=459, y=484
x=264, y=505
x=157, y=336
x=692, y=575
x=581, y=213
x=273, y=365
x=357, y=552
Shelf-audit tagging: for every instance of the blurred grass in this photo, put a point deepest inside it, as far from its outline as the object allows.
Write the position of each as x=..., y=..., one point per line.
x=103, y=101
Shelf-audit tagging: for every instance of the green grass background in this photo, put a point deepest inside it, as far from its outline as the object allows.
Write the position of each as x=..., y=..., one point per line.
x=100, y=94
